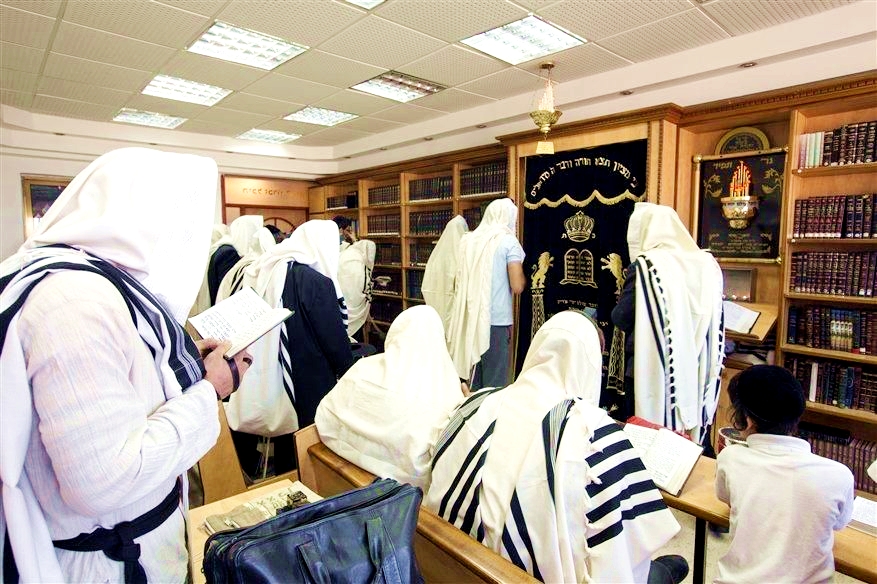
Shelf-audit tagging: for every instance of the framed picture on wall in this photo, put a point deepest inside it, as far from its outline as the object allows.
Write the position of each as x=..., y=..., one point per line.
x=738, y=202
x=39, y=194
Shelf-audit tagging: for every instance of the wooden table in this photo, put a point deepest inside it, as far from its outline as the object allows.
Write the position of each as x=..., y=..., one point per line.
x=855, y=552
x=198, y=535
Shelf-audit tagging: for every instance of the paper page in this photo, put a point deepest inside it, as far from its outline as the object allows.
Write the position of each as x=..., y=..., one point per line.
x=865, y=513
x=641, y=438
x=670, y=460
x=260, y=509
x=739, y=318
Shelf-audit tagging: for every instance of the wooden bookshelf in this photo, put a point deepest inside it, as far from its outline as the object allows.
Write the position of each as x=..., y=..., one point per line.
x=834, y=298
x=846, y=413
x=830, y=354
x=846, y=169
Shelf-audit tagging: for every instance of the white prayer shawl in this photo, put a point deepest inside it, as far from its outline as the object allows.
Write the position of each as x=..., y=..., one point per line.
x=532, y=470
x=386, y=413
x=260, y=242
x=355, y=277
x=260, y=406
x=240, y=233
x=678, y=330
x=441, y=269
x=220, y=230
x=468, y=330
x=115, y=209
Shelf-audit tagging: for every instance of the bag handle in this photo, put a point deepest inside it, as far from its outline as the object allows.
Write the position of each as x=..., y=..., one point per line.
x=382, y=552
x=310, y=557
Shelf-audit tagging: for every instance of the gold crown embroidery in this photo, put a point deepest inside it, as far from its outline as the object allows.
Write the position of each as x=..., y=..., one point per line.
x=579, y=227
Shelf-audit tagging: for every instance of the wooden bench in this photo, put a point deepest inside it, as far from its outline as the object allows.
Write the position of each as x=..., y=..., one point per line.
x=444, y=553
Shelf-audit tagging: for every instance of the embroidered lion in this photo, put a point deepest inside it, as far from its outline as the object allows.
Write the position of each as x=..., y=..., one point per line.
x=540, y=270
x=613, y=263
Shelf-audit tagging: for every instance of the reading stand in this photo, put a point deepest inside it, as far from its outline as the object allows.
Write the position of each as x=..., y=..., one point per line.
x=767, y=318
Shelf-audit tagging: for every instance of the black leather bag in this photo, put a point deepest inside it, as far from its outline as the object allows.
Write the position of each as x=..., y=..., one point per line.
x=365, y=535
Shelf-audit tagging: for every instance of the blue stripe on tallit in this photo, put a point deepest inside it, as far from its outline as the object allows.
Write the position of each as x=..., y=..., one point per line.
x=459, y=476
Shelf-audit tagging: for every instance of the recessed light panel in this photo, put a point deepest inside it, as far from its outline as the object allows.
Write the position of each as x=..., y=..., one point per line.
x=246, y=47
x=398, y=86
x=141, y=118
x=318, y=115
x=523, y=40
x=269, y=136
x=367, y=4
x=185, y=90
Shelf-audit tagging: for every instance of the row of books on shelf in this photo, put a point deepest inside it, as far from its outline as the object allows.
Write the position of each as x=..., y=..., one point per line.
x=415, y=281
x=833, y=272
x=348, y=201
x=839, y=445
x=419, y=252
x=390, y=224
x=472, y=217
x=835, y=217
x=425, y=189
x=483, y=179
x=388, y=253
x=386, y=195
x=848, y=144
x=835, y=383
x=429, y=222
x=838, y=329
x=385, y=309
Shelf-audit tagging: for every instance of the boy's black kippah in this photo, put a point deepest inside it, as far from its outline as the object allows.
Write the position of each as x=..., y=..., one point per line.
x=771, y=393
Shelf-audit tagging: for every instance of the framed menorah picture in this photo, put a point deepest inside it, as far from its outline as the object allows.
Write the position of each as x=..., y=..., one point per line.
x=738, y=201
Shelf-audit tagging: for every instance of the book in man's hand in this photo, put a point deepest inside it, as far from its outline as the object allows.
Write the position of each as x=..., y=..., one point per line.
x=667, y=456
x=242, y=318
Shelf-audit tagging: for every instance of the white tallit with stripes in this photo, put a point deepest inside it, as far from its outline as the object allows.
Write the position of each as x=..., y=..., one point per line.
x=260, y=242
x=440, y=275
x=678, y=329
x=355, y=277
x=542, y=476
x=265, y=402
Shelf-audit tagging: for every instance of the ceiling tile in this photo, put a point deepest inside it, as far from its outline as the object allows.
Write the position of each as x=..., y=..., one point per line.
x=504, y=84
x=301, y=21
x=408, y=114
x=743, y=17
x=598, y=19
x=16, y=98
x=100, y=74
x=25, y=28
x=285, y=88
x=453, y=65
x=72, y=109
x=578, y=62
x=44, y=7
x=684, y=31
x=221, y=115
x=82, y=92
x=20, y=57
x=450, y=20
x=452, y=100
x=291, y=127
x=169, y=107
x=202, y=127
x=330, y=137
x=140, y=19
x=328, y=69
x=260, y=105
x=105, y=47
x=355, y=102
x=372, y=125
x=536, y=5
x=395, y=46
x=212, y=71
x=203, y=7
x=18, y=80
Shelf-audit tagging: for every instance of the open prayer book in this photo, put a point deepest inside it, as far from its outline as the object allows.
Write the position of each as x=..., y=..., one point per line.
x=668, y=457
x=258, y=510
x=864, y=515
x=739, y=318
x=241, y=318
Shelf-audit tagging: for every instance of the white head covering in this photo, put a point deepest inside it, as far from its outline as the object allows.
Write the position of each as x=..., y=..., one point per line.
x=354, y=275
x=469, y=323
x=260, y=242
x=386, y=413
x=441, y=269
x=240, y=233
x=142, y=210
x=220, y=230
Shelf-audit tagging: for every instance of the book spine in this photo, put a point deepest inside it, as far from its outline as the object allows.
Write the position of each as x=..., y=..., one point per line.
x=837, y=146
x=861, y=139
x=849, y=155
x=826, y=147
x=871, y=142
x=867, y=215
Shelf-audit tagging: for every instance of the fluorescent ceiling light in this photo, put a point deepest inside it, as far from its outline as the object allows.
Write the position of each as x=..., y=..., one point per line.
x=185, y=90
x=318, y=115
x=247, y=47
x=268, y=136
x=367, y=4
x=132, y=116
x=523, y=40
x=398, y=86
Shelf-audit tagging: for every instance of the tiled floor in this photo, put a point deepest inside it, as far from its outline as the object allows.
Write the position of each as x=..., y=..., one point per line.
x=683, y=545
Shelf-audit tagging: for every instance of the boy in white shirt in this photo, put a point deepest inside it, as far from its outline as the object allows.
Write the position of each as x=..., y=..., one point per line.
x=785, y=501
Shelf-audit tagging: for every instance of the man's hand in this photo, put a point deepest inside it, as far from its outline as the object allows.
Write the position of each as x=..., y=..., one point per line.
x=224, y=374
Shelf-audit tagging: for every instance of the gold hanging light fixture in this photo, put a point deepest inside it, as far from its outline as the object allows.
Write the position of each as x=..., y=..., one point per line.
x=545, y=115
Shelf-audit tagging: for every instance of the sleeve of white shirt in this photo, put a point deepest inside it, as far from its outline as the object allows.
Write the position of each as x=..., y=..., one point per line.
x=104, y=421
x=722, y=492
x=849, y=495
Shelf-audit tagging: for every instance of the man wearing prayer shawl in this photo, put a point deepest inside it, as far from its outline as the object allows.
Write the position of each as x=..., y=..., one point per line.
x=385, y=415
x=670, y=310
x=260, y=242
x=440, y=275
x=230, y=249
x=541, y=475
x=490, y=270
x=104, y=399
x=297, y=363
x=355, y=277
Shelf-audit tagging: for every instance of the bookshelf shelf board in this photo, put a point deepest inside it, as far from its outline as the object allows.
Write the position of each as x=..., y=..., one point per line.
x=837, y=170
x=829, y=354
x=867, y=301
x=383, y=206
x=418, y=300
x=417, y=236
x=848, y=413
x=367, y=235
x=387, y=295
x=477, y=196
x=416, y=267
x=347, y=209
x=433, y=202
x=389, y=266
x=832, y=241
